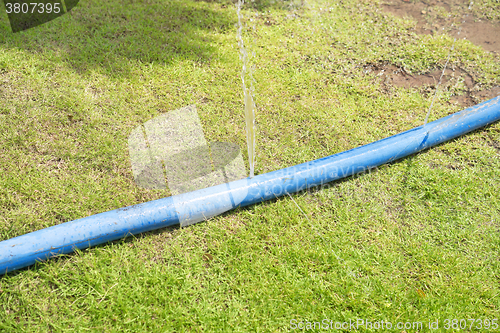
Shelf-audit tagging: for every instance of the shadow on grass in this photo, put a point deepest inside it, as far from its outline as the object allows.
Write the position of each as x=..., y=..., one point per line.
x=113, y=36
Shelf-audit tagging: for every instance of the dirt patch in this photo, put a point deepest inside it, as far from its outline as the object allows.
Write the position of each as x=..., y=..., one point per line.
x=452, y=17
x=391, y=75
x=400, y=78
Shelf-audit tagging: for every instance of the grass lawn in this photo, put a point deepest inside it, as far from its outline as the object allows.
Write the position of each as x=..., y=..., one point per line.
x=413, y=241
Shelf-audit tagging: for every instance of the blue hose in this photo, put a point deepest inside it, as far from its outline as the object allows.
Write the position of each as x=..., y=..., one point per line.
x=193, y=207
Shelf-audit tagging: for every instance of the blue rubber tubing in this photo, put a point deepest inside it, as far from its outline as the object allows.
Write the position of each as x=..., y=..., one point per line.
x=193, y=207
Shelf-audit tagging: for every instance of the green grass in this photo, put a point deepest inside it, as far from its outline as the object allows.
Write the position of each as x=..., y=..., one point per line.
x=415, y=240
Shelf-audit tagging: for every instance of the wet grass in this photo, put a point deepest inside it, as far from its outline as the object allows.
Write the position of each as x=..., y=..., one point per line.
x=416, y=240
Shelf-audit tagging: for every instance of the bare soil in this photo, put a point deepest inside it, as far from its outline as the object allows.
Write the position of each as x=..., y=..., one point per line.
x=391, y=75
x=449, y=16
